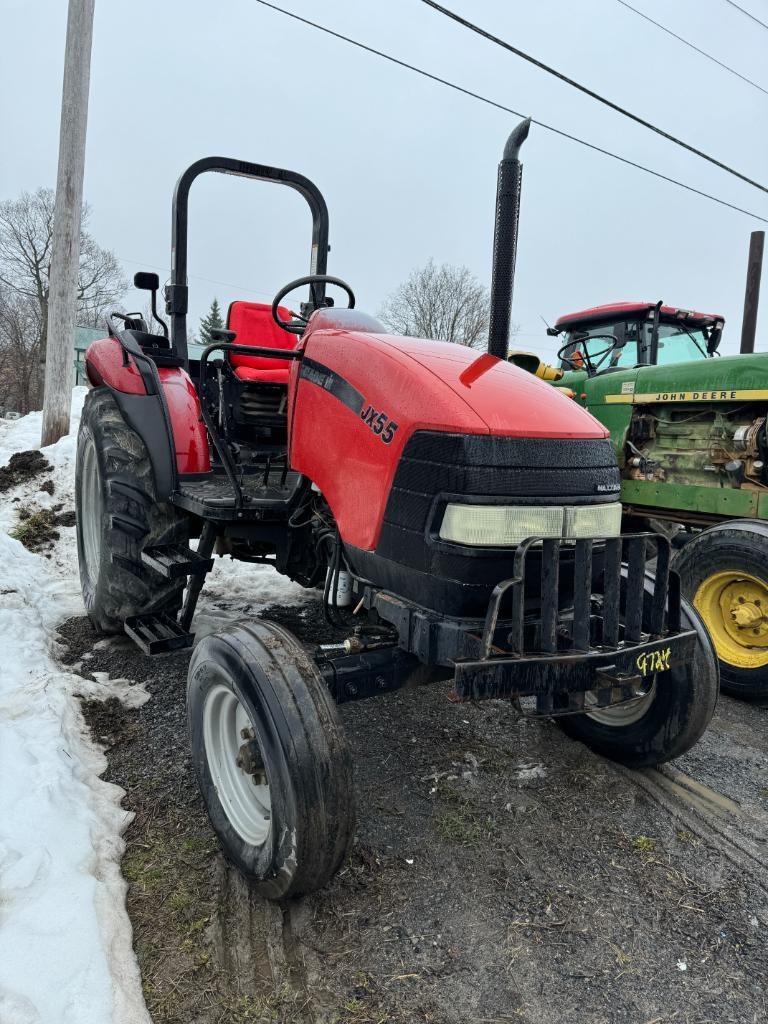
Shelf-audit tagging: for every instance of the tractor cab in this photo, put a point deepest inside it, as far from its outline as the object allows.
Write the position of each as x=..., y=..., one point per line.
x=627, y=335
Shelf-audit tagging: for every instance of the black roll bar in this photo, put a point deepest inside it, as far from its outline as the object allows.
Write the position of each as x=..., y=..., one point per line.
x=177, y=292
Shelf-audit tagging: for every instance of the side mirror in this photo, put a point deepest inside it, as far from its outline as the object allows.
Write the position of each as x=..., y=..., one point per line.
x=145, y=281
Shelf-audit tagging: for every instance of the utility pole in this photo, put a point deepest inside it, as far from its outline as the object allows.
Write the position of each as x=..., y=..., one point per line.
x=752, y=291
x=65, y=247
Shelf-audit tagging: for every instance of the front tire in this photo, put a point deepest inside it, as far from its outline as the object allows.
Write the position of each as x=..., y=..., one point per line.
x=665, y=724
x=271, y=759
x=118, y=515
x=724, y=572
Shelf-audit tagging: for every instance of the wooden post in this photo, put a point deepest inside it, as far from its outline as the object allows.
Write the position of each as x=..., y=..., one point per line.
x=752, y=291
x=65, y=246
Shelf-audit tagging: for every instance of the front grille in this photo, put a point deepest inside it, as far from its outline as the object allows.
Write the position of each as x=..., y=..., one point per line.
x=536, y=470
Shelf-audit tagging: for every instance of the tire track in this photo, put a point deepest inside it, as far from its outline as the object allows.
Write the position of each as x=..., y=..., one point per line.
x=736, y=832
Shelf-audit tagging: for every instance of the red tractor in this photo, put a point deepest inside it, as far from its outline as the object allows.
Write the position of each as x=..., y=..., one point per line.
x=446, y=526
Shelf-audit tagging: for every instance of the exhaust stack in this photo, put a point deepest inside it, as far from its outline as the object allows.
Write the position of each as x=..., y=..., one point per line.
x=505, y=241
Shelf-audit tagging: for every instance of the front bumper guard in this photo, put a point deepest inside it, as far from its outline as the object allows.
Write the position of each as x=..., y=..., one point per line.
x=614, y=656
x=560, y=682
x=617, y=629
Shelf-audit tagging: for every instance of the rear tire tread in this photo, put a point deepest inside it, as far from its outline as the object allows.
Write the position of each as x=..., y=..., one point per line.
x=133, y=519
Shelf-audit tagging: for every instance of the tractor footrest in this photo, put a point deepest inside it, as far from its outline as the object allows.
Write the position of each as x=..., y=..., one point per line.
x=176, y=560
x=157, y=634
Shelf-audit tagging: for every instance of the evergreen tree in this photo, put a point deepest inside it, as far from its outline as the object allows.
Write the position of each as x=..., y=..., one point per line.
x=209, y=322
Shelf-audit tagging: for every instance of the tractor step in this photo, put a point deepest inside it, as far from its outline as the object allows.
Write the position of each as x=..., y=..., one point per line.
x=176, y=560
x=157, y=634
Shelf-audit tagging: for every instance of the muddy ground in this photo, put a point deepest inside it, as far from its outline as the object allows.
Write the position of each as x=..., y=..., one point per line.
x=501, y=872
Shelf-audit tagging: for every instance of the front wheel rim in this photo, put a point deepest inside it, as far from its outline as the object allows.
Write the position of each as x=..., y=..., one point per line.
x=623, y=714
x=235, y=765
x=734, y=607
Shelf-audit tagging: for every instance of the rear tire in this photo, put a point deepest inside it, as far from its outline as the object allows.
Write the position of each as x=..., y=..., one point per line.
x=724, y=573
x=670, y=720
x=271, y=758
x=117, y=516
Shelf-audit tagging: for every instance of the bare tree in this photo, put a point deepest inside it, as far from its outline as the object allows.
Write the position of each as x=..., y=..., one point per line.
x=26, y=228
x=443, y=302
x=19, y=354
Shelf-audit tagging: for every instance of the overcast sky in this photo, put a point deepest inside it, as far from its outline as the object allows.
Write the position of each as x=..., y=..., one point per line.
x=407, y=166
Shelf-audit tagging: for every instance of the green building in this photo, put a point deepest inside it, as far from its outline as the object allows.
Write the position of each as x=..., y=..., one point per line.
x=83, y=338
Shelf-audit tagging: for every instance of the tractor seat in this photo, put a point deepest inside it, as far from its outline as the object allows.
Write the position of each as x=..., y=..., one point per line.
x=253, y=325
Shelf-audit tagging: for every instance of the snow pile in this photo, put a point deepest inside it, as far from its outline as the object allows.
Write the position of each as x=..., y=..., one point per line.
x=65, y=937
x=238, y=590
x=24, y=435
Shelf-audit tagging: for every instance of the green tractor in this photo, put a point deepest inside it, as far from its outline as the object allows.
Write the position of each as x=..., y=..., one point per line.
x=690, y=432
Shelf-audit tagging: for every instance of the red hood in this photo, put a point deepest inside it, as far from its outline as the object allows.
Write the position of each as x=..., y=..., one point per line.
x=508, y=400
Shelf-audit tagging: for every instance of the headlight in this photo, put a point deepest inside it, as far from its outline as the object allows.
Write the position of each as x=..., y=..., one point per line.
x=592, y=521
x=506, y=526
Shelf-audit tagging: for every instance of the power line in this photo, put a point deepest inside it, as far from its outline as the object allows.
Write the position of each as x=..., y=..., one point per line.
x=238, y=289
x=509, y=110
x=591, y=93
x=692, y=46
x=747, y=13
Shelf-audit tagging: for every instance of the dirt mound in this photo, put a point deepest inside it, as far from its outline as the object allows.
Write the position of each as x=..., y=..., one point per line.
x=23, y=466
x=37, y=528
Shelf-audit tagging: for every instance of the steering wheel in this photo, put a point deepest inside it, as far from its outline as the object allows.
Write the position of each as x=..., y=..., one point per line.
x=589, y=361
x=311, y=280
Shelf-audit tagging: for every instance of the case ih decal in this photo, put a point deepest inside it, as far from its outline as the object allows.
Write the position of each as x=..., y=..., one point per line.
x=324, y=377
x=327, y=379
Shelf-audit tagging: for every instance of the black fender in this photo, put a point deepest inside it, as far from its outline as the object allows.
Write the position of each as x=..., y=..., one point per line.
x=148, y=415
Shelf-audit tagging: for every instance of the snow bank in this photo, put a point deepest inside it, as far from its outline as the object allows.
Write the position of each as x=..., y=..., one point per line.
x=65, y=938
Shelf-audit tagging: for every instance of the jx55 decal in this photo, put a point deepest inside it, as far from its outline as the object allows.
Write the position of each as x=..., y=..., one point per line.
x=380, y=424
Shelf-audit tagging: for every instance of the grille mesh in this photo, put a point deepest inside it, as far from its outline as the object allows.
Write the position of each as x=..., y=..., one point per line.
x=542, y=469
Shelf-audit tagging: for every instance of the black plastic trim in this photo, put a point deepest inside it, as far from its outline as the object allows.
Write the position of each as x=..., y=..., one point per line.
x=148, y=416
x=328, y=380
x=438, y=467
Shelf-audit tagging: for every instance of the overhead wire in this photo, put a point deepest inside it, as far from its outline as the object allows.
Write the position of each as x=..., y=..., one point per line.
x=197, y=277
x=692, y=46
x=747, y=13
x=509, y=110
x=669, y=136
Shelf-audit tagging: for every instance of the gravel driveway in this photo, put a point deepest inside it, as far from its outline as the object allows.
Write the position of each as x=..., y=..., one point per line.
x=501, y=871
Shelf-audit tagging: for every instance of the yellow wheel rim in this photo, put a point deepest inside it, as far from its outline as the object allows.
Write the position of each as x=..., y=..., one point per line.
x=734, y=606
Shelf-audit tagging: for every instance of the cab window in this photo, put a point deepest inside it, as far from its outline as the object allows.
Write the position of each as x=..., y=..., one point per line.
x=594, y=340
x=678, y=344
